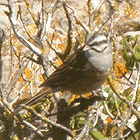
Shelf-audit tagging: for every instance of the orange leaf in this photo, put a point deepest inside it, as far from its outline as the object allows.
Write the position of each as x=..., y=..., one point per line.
x=28, y=73
x=120, y=70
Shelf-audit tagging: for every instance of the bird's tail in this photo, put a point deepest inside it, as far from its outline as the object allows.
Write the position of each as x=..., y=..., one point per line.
x=31, y=100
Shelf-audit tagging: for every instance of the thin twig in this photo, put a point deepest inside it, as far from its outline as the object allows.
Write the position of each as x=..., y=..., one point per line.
x=1, y=41
x=69, y=34
x=20, y=13
x=58, y=54
x=22, y=39
x=85, y=130
x=46, y=27
x=87, y=29
x=97, y=117
x=29, y=45
x=124, y=99
x=93, y=10
x=33, y=128
x=116, y=104
x=45, y=119
x=31, y=12
x=107, y=110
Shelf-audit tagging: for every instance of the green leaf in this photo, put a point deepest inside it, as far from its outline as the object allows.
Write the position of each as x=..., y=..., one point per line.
x=125, y=56
x=137, y=56
x=123, y=42
x=138, y=48
x=107, y=89
x=97, y=135
x=129, y=63
x=83, y=122
x=81, y=114
x=127, y=91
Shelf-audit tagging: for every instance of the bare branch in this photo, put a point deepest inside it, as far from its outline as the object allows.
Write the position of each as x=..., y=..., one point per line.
x=1, y=41
x=107, y=110
x=124, y=99
x=33, y=128
x=21, y=18
x=87, y=29
x=22, y=39
x=45, y=119
x=69, y=34
x=46, y=27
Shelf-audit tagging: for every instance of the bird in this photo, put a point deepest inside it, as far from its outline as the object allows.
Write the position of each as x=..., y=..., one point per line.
x=85, y=70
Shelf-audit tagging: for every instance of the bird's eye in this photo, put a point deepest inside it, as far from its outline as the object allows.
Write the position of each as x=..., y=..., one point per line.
x=95, y=43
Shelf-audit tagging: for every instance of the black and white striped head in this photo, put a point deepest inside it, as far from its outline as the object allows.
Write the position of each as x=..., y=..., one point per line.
x=97, y=41
x=98, y=51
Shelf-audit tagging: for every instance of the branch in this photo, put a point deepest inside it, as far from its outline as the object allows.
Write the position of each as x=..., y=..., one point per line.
x=107, y=110
x=22, y=39
x=87, y=29
x=85, y=129
x=1, y=41
x=46, y=27
x=45, y=119
x=124, y=99
x=33, y=128
x=21, y=18
x=69, y=34
x=29, y=45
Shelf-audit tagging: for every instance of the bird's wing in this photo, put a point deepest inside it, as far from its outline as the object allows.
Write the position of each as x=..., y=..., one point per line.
x=68, y=71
